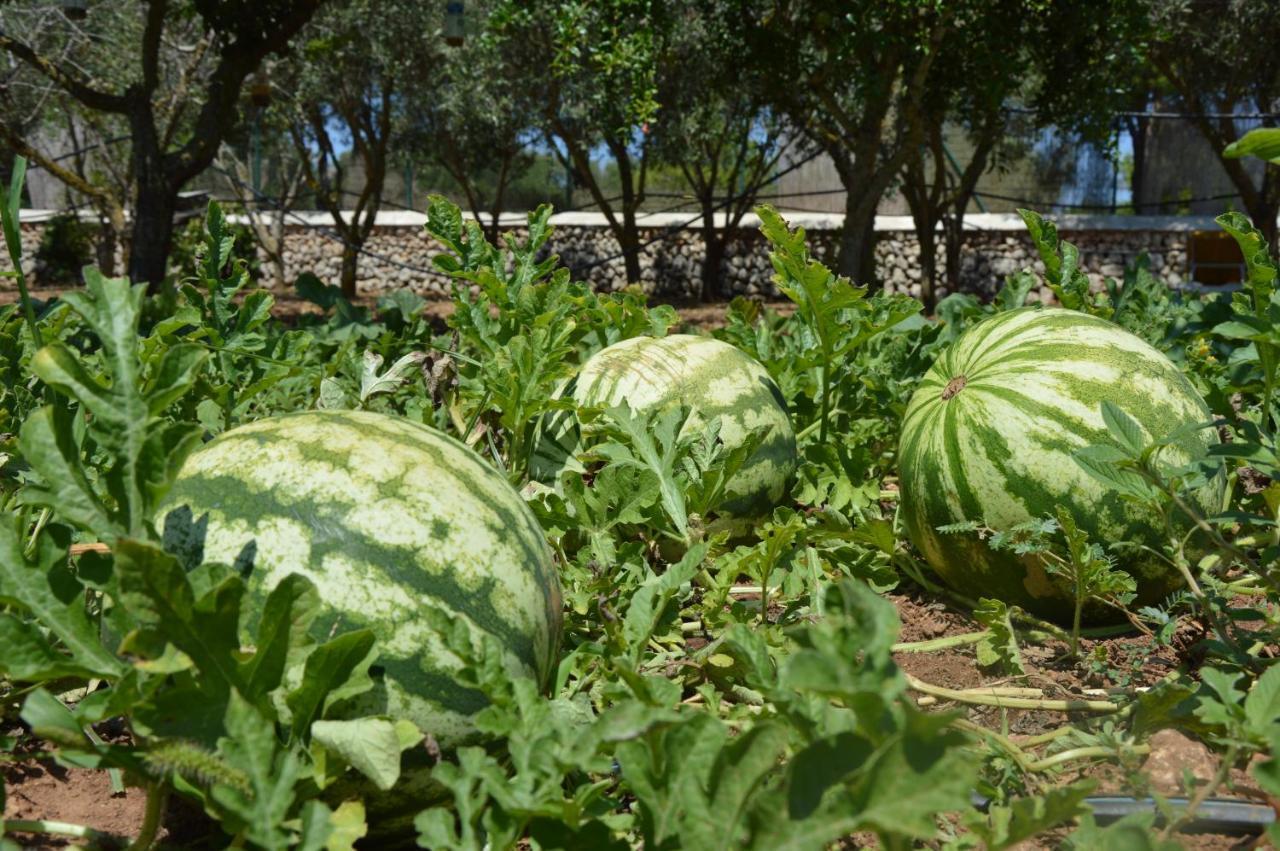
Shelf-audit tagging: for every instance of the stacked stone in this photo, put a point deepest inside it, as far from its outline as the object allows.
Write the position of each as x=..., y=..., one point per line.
x=29, y=236
x=671, y=262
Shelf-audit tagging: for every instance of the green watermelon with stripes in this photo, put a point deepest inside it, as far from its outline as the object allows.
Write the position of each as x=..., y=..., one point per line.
x=713, y=379
x=388, y=518
x=989, y=437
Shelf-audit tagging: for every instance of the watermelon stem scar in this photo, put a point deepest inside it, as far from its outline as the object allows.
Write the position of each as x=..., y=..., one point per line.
x=954, y=386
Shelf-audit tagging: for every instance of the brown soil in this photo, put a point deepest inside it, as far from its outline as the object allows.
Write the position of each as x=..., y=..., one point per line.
x=79, y=796
x=38, y=789
x=1127, y=661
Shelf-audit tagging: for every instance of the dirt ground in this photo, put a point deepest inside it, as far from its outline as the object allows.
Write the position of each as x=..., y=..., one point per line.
x=40, y=789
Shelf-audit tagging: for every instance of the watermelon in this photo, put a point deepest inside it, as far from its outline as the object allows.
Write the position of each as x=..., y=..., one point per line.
x=713, y=379
x=989, y=437
x=387, y=517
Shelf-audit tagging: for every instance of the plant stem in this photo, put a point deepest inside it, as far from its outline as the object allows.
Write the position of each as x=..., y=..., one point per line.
x=35, y=533
x=1214, y=535
x=997, y=691
x=1081, y=753
x=116, y=775
x=157, y=797
x=826, y=392
x=1043, y=738
x=1019, y=755
x=1070, y=705
x=939, y=643
x=59, y=828
x=1075, y=618
x=9, y=219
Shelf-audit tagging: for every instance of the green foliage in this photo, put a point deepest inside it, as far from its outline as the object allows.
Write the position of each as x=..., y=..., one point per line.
x=1256, y=312
x=838, y=317
x=125, y=395
x=712, y=692
x=189, y=243
x=13, y=241
x=66, y=245
x=1261, y=142
x=1061, y=263
x=1082, y=565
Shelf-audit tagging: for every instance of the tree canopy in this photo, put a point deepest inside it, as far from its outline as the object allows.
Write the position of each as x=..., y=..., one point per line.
x=621, y=106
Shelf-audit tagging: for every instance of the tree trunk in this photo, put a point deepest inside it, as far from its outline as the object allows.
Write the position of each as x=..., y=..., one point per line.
x=499, y=197
x=631, y=251
x=350, y=261
x=927, y=239
x=105, y=250
x=857, y=258
x=152, y=233
x=713, y=252
x=629, y=239
x=629, y=245
x=1138, y=183
x=953, y=245
x=111, y=225
x=276, y=255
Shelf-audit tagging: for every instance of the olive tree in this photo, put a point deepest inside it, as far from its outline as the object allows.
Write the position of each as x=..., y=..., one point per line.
x=167, y=72
x=1219, y=67
x=465, y=118
x=852, y=76
x=587, y=74
x=344, y=91
x=720, y=134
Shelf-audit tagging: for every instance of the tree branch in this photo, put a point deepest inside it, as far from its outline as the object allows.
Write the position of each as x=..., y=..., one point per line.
x=69, y=81
x=67, y=176
x=156, y=11
x=238, y=58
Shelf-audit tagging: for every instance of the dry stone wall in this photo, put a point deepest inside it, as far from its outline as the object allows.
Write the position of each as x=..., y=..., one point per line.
x=399, y=252
x=671, y=262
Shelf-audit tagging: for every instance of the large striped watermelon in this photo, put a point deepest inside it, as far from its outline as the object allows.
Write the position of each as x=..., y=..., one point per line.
x=713, y=379
x=988, y=437
x=387, y=518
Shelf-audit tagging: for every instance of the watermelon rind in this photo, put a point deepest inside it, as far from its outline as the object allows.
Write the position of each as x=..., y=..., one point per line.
x=387, y=517
x=711, y=378
x=989, y=435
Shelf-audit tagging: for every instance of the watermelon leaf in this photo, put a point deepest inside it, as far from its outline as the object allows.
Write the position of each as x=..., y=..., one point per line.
x=327, y=667
x=1000, y=646
x=1260, y=142
x=286, y=616
x=1009, y=824
x=1123, y=428
x=1061, y=262
x=399, y=373
x=1256, y=312
x=652, y=443
x=42, y=586
x=251, y=744
x=371, y=745
x=124, y=413
x=650, y=600
x=156, y=590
